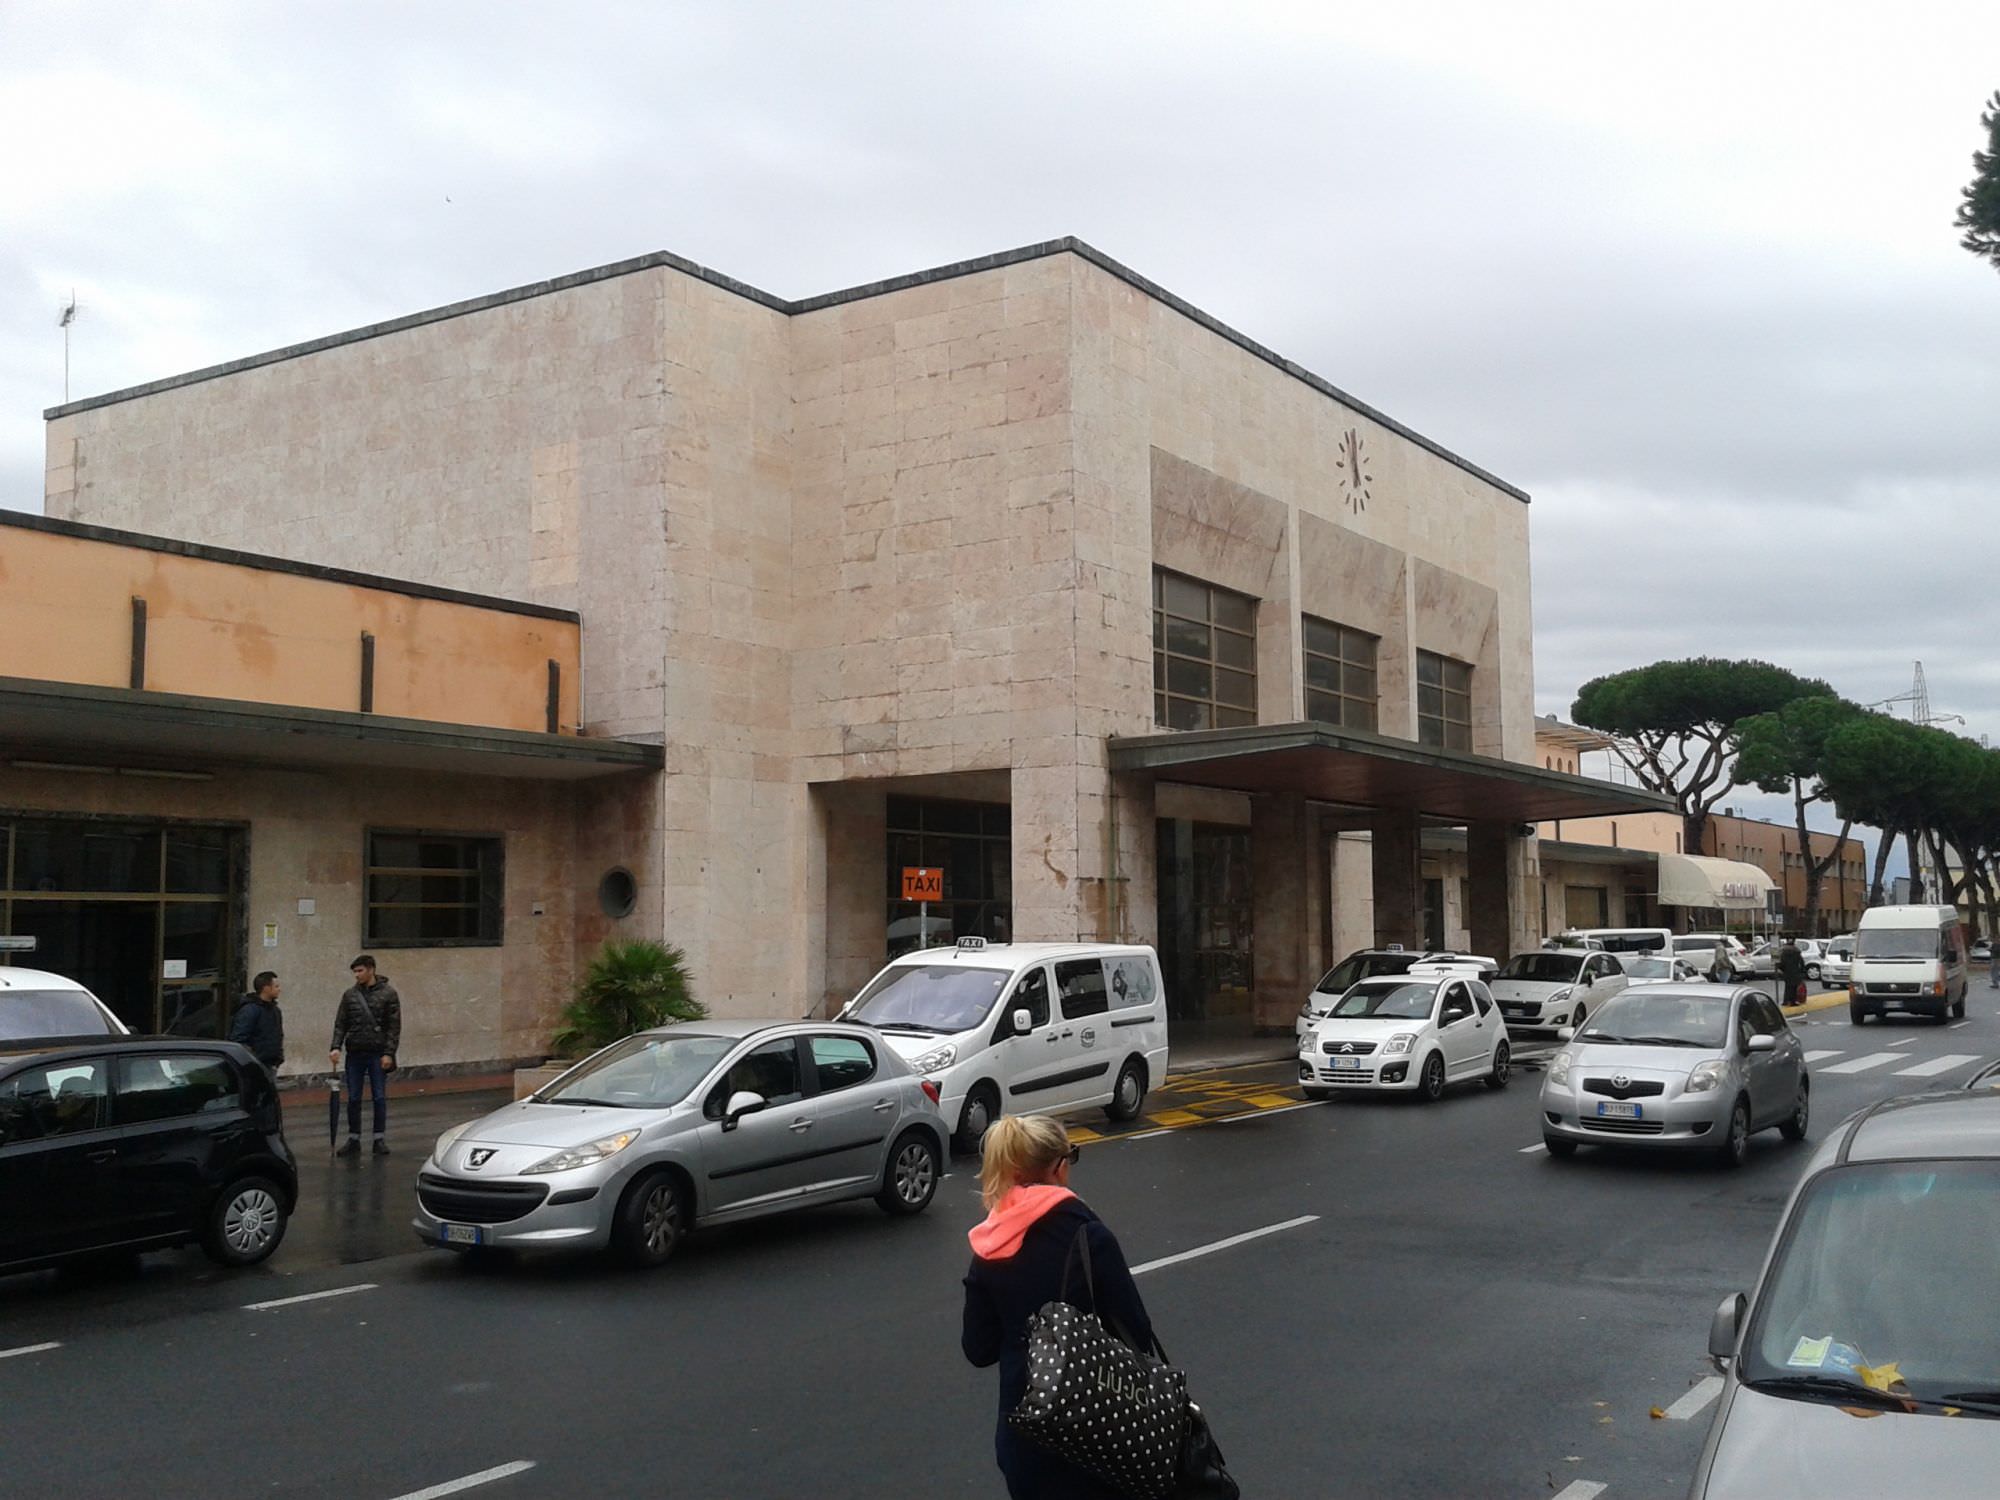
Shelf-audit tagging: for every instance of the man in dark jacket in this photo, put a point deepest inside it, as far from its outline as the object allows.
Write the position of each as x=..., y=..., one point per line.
x=369, y=1023
x=259, y=1024
x=1791, y=974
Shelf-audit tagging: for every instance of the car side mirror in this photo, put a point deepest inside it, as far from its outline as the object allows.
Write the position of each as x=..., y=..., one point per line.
x=741, y=1103
x=1724, y=1329
x=1022, y=1022
x=1565, y=1033
x=1761, y=1043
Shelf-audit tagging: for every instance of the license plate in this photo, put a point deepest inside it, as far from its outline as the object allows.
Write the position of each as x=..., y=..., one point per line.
x=1347, y=1064
x=459, y=1234
x=1619, y=1111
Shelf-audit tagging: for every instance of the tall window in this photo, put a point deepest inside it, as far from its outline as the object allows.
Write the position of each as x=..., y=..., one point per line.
x=432, y=890
x=970, y=842
x=1444, y=702
x=1340, y=675
x=1204, y=655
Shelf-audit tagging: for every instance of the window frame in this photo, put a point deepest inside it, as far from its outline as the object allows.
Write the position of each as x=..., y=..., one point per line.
x=1062, y=993
x=123, y=1062
x=474, y=874
x=1345, y=637
x=101, y=1062
x=1441, y=730
x=819, y=1087
x=1216, y=712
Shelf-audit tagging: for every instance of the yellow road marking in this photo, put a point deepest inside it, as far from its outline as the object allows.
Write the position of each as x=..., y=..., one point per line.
x=1272, y=1101
x=1174, y=1117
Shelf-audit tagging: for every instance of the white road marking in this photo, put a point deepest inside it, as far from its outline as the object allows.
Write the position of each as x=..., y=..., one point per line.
x=1261, y=1114
x=1144, y=1135
x=339, y=1291
x=1905, y=1042
x=1581, y=1489
x=1531, y=1150
x=1956, y=1025
x=1696, y=1400
x=1930, y=1067
x=1233, y=1240
x=1863, y=1064
x=1822, y=1053
x=484, y=1476
x=28, y=1349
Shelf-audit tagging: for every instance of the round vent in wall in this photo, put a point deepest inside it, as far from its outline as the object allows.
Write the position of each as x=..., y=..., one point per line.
x=617, y=892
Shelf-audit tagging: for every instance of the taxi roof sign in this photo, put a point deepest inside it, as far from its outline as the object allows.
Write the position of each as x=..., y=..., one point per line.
x=17, y=945
x=971, y=944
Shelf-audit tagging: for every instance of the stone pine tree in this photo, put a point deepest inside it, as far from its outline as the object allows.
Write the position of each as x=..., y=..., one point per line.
x=1979, y=214
x=1674, y=723
x=1782, y=751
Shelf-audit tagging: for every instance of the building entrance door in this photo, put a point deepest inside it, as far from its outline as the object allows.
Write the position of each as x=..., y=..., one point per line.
x=1434, y=914
x=1206, y=931
x=148, y=916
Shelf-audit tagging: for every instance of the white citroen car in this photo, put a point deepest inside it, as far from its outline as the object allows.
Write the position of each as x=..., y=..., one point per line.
x=1411, y=1033
x=1554, y=987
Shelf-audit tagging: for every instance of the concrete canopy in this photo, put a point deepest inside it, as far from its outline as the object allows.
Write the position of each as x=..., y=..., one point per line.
x=1352, y=768
x=112, y=727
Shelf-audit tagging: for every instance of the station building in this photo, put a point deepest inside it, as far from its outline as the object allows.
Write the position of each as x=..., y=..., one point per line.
x=1021, y=568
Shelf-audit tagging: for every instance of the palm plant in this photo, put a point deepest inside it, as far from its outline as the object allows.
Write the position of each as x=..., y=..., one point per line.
x=628, y=987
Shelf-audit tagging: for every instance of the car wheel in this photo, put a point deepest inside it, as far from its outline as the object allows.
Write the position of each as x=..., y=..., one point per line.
x=1794, y=1128
x=1558, y=1146
x=1812, y=972
x=982, y=1108
x=910, y=1179
x=652, y=1219
x=1735, y=1147
x=1857, y=1013
x=246, y=1222
x=1958, y=1008
x=1130, y=1093
x=1430, y=1083
x=1503, y=1064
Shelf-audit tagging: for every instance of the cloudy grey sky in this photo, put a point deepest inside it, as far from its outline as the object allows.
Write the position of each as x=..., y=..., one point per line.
x=1686, y=272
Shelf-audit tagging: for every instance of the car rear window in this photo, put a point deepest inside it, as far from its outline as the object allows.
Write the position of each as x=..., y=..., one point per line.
x=37, y=1013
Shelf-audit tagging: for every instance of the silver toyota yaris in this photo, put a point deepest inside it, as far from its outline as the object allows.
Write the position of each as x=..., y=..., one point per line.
x=1679, y=1066
x=705, y=1122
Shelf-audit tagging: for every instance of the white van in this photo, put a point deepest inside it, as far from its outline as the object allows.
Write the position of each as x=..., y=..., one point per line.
x=1024, y=1028
x=1615, y=939
x=1909, y=958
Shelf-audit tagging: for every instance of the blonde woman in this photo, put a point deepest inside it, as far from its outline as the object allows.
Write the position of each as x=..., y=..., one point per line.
x=1019, y=1254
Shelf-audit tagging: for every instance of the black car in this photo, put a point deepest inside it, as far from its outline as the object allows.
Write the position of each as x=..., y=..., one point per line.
x=137, y=1143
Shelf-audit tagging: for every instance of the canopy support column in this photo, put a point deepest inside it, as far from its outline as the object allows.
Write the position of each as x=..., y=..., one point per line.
x=1501, y=874
x=1398, y=857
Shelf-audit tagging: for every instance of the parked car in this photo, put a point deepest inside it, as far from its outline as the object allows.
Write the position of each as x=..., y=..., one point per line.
x=1678, y=1066
x=1024, y=1028
x=1554, y=987
x=1861, y=1312
x=1698, y=948
x=704, y=1122
x=1836, y=963
x=1367, y=963
x=124, y=1143
x=36, y=1005
x=1982, y=951
x=1618, y=940
x=1416, y=1033
x=1909, y=958
x=1644, y=969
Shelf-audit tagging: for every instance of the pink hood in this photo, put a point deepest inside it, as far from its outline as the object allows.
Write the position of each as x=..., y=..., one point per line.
x=1000, y=1235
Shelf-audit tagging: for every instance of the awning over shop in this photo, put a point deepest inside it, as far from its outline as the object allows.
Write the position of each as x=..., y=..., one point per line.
x=1351, y=768
x=1718, y=884
x=53, y=723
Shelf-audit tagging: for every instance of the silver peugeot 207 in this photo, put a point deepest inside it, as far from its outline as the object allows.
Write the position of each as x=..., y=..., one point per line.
x=701, y=1123
x=1677, y=1066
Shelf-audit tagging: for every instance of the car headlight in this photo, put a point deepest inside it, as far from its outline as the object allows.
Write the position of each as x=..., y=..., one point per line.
x=1707, y=1076
x=1559, y=1066
x=584, y=1156
x=937, y=1059
x=1402, y=1041
x=1558, y=997
x=444, y=1142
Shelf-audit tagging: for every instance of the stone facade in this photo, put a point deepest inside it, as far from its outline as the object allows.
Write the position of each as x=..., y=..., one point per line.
x=895, y=540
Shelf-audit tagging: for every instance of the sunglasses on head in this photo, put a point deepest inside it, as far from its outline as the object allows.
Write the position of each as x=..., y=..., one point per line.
x=1072, y=1154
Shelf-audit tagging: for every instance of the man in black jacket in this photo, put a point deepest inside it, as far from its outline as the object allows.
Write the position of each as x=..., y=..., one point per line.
x=259, y=1024
x=369, y=1023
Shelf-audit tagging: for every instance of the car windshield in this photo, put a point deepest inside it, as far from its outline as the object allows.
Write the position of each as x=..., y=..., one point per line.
x=1661, y=1020
x=1387, y=1002
x=1547, y=968
x=1356, y=967
x=36, y=1013
x=929, y=997
x=1900, y=942
x=1648, y=968
x=648, y=1071
x=1831, y=1312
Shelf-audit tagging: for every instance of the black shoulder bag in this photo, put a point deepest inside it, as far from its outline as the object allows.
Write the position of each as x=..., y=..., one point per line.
x=1108, y=1407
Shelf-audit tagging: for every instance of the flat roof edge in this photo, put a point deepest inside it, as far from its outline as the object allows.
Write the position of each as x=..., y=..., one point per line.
x=145, y=541
x=791, y=308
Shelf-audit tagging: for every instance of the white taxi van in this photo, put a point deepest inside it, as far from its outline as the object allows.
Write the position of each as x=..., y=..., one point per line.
x=1023, y=1028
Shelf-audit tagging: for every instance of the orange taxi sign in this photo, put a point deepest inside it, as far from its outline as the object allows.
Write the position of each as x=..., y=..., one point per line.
x=922, y=883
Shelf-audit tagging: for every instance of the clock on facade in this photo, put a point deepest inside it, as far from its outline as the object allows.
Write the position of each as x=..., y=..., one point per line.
x=1354, y=476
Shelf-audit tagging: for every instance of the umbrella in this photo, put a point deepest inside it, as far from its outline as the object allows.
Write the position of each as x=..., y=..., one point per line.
x=332, y=1109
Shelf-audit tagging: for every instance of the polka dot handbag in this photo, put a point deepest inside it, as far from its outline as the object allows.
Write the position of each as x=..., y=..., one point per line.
x=1100, y=1403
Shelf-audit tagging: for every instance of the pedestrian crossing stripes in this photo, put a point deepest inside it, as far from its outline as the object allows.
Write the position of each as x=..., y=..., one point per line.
x=1936, y=1065
x=1863, y=1064
x=1928, y=1068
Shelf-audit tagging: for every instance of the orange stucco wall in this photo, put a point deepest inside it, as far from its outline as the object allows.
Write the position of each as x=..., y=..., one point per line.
x=225, y=630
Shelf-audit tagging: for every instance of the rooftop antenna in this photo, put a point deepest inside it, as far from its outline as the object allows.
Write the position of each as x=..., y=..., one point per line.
x=68, y=317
